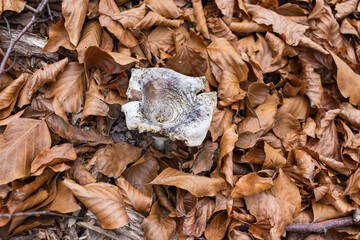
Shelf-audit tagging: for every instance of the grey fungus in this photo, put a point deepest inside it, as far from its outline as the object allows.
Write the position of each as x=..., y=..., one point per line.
x=167, y=105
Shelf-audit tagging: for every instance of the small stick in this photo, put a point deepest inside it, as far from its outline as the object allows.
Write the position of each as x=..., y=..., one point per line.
x=31, y=8
x=50, y=213
x=49, y=11
x=13, y=41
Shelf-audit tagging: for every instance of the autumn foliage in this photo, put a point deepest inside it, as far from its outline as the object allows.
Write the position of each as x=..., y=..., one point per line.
x=283, y=146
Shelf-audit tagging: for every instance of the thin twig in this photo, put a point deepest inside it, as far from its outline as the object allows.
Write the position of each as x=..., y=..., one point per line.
x=320, y=227
x=27, y=214
x=31, y=8
x=13, y=41
x=49, y=11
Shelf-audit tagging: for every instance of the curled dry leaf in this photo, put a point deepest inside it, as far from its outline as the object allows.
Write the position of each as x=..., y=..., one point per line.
x=345, y=8
x=91, y=36
x=81, y=174
x=166, y=8
x=350, y=114
x=103, y=200
x=220, y=29
x=17, y=155
x=247, y=26
x=39, y=78
x=201, y=25
x=113, y=159
x=279, y=205
x=122, y=34
x=204, y=160
x=12, y=5
x=298, y=107
x=69, y=87
x=251, y=184
x=217, y=229
x=57, y=154
x=347, y=80
x=154, y=19
x=74, y=13
x=9, y=94
x=226, y=57
x=184, y=61
x=58, y=37
x=274, y=158
x=229, y=90
x=312, y=87
x=158, y=226
x=131, y=17
x=220, y=122
x=95, y=104
x=227, y=9
x=133, y=198
x=196, y=185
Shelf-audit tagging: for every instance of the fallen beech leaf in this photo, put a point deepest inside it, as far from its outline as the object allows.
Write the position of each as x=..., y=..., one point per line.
x=81, y=174
x=57, y=154
x=131, y=17
x=226, y=57
x=158, y=226
x=64, y=201
x=350, y=114
x=113, y=159
x=246, y=26
x=39, y=78
x=291, y=30
x=251, y=184
x=58, y=37
x=220, y=122
x=9, y=94
x=286, y=124
x=265, y=116
x=166, y=8
x=246, y=140
x=22, y=140
x=74, y=14
x=103, y=200
x=229, y=90
x=280, y=205
x=185, y=60
x=154, y=19
x=12, y=5
x=227, y=145
x=323, y=212
x=217, y=229
x=133, y=197
x=227, y=8
x=106, y=41
x=123, y=35
x=274, y=158
x=347, y=80
x=91, y=36
x=298, y=107
x=95, y=104
x=353, y=184
x=192, y=183
x=141, y=173
x=220, y=29
x=204, y=160
x=201, y=25
x=257, y=93
x=345, y=8
x=69, y=87
x=305, y=163
x=312, y=87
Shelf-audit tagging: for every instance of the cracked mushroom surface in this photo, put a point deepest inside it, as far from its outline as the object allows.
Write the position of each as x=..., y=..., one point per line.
x=168, y=105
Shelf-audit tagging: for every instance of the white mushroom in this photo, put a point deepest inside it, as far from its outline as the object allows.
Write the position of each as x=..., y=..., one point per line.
x=168, y=105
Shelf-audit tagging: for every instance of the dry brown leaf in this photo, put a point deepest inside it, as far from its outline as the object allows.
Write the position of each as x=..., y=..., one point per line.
x=39, y=78
x=81, y=174
x=217, y=229
x=265, y=116
x=9, y=94
x=220, y=122
x=251, y=184
x=246, y=140
x=196, y=185
x=226, y=57
x=298, y=107
x=201, y=25
x=280, y=205
x=220, y=29
x=123, y=35
x=131, y=17
x=274, y=159
x=158, y=226
x=22, y=140
x=95, y=104
x=286, y=124
x=204, y=159
x=134, y=198
x=290, y=30
x=229, y=90
x=227, y=145
x=312, y=87
x=305, y=163
x=91, y=36
x=347, y=80
x=185, y=60
x=69, y=87
x=154, y=19
x=319, y=4
x=57, y=154
x=58, y=37
x=113, y=159
x=227, y=9
x=353, y=184
x=12, y=5
x=350, y=114
x=74, y=13
x=345, y=8
x=246, y=27
x=166, y=8
x=323, y=212
x=103, y=200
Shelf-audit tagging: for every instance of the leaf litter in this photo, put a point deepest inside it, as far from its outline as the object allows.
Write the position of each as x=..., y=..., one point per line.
x=283, y=145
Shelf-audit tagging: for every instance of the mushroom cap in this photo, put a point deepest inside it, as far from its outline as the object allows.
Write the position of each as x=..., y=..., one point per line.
x=168, y=105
